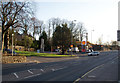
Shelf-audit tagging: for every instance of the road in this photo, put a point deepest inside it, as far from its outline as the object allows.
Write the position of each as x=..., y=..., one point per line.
x=85, y=68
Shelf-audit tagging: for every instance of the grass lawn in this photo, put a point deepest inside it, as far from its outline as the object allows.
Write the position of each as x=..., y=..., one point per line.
x=27, y=53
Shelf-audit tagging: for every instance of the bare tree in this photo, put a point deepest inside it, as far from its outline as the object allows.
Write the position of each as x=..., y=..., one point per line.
x=49, y=29
x=54, y=22
x=81, y=31
x=77, y=30
x=10, y=15
x=37, y=26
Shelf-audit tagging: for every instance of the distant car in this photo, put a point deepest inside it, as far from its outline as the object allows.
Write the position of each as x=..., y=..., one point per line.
x=56, y=50
x=93, y=53
x=89, y=51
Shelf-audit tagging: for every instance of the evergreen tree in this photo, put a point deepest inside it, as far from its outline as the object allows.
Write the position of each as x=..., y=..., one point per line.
x=62, y=37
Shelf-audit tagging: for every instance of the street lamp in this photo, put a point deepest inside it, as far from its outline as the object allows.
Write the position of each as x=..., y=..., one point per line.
x=12, y=44
x=91, y=35
x=86, y=48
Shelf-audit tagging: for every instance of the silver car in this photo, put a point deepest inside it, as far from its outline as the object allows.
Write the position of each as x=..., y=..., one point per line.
x=94, y=53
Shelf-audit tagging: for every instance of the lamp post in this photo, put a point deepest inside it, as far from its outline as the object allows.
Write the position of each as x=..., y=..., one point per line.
x=91, y=35
x=86, y=41
x=12, y=44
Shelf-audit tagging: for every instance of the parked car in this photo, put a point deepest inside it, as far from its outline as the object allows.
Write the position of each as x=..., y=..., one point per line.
x=93, y=53
x=88, y=51
x=9, y=51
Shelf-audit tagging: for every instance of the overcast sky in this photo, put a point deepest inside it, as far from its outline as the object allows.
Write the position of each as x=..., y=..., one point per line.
x=100, y=15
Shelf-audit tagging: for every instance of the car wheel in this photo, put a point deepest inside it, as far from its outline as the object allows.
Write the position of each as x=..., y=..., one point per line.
x=90, y=55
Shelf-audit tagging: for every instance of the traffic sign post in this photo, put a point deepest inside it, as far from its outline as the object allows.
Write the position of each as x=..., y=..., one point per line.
x=83, y=46
x=71, y=49
x=71, y=46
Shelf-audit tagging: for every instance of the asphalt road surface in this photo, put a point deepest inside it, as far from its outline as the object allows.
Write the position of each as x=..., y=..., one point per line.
x=103, y=67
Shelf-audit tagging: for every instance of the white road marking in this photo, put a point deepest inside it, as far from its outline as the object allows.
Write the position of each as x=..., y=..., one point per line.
x=58, y=69
x=77, y=80
x=32, y=76
x=62, y=68
x=53, y=69
x=42, y=70
x=91, y=76
x=16, y=75
x=32, y=69
x=30, y=72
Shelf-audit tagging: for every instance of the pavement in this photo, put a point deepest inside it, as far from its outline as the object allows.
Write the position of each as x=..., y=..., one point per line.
x=31, y=60
x=47, y=59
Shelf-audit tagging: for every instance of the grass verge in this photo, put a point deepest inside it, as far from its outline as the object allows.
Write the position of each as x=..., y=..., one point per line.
x=27, y=53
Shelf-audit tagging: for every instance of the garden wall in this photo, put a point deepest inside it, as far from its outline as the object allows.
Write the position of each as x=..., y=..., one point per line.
x=13, y=59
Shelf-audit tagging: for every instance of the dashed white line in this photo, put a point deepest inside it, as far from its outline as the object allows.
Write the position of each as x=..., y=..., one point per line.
x=53, y=69
x=32, y=69
x=16, y=75
x=91, y=76
x=58, y=69
x=30, y=72
x=42, y=70
x=32, y=76
x=61, y=68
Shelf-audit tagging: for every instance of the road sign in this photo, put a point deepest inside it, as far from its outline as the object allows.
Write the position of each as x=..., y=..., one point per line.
x=83, y=42
x=71, y=45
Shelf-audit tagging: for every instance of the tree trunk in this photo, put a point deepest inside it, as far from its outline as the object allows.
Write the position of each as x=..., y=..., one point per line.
x=8, y=39
x=3, y=42
x=63, y=51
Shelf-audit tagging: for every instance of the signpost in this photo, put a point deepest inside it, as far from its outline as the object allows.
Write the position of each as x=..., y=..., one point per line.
x=83, y=46
x=71, y=49
x=71, y=46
